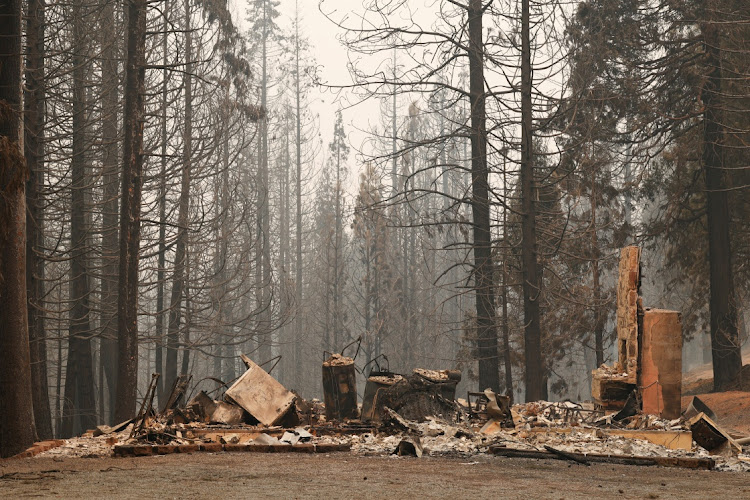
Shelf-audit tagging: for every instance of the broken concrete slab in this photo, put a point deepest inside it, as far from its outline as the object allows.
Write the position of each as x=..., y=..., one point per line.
x=229, y=439
x=261, y=395
x=290, y=438
x=303, y=434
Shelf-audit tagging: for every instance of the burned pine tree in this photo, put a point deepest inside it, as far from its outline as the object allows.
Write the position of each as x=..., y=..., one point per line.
x=17, y=430
x=34, y=118
x=130, y=212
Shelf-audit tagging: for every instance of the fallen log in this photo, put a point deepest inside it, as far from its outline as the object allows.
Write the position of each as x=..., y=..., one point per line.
x=567, y=456
x=683, y=462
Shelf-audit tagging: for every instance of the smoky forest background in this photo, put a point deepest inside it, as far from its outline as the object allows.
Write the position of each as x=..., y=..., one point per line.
x=184, y=181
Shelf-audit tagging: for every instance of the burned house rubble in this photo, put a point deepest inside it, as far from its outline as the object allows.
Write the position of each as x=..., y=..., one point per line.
x=635, y=416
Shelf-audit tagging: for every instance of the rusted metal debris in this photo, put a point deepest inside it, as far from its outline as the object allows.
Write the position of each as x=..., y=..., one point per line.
x=412, y=415
x=376, y=381
x=697, y=406
x=416, y=397
x=409, y=447
x=340, y=388
x=710, y=436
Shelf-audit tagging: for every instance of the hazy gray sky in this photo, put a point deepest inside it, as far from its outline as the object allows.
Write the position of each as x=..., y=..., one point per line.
x=331, y=57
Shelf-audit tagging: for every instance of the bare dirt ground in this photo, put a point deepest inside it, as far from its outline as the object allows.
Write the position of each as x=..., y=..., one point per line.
x=341, y=475
x=732, y=407
x=700, y=380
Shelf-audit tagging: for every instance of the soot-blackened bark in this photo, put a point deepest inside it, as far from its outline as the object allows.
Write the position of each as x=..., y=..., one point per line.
x=17, y=430
x=725, y=341
x=534, y=373
x=130, y=213
x=34, y=96
x=489, y=374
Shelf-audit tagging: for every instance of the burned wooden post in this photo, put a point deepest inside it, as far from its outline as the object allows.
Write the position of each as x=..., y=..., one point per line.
x=177, y=395
x=340, y=387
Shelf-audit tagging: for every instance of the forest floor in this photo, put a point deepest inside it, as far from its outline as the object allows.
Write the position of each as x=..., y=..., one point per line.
x=342, y=475
x=732, y=407
x=700, y=380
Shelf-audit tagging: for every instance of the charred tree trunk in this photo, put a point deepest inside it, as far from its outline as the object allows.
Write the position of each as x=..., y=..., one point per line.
x=108, y=345
x=298, y=218
x=507, y=358
x=725, y=339
x=17, y=430
x=599, y=317
x=185, y=368
x=489, y=374
x=79, y=374
x=264, y=348
x=178, y=277
x=130, y=213
x=160, y=274
x=534, y=375
x=34, y=96
x=225, y=303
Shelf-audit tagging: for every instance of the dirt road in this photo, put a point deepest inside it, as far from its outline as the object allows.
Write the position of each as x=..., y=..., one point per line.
x=250, y=475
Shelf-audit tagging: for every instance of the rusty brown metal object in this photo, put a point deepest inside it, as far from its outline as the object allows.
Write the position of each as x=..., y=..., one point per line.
x=710, y=436
x=376, y=381
x=340, y=388
x=416, y=398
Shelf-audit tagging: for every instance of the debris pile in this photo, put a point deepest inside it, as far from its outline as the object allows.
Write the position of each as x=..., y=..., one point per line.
x=410, y=415
x=635, y=417
x=484, y=423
